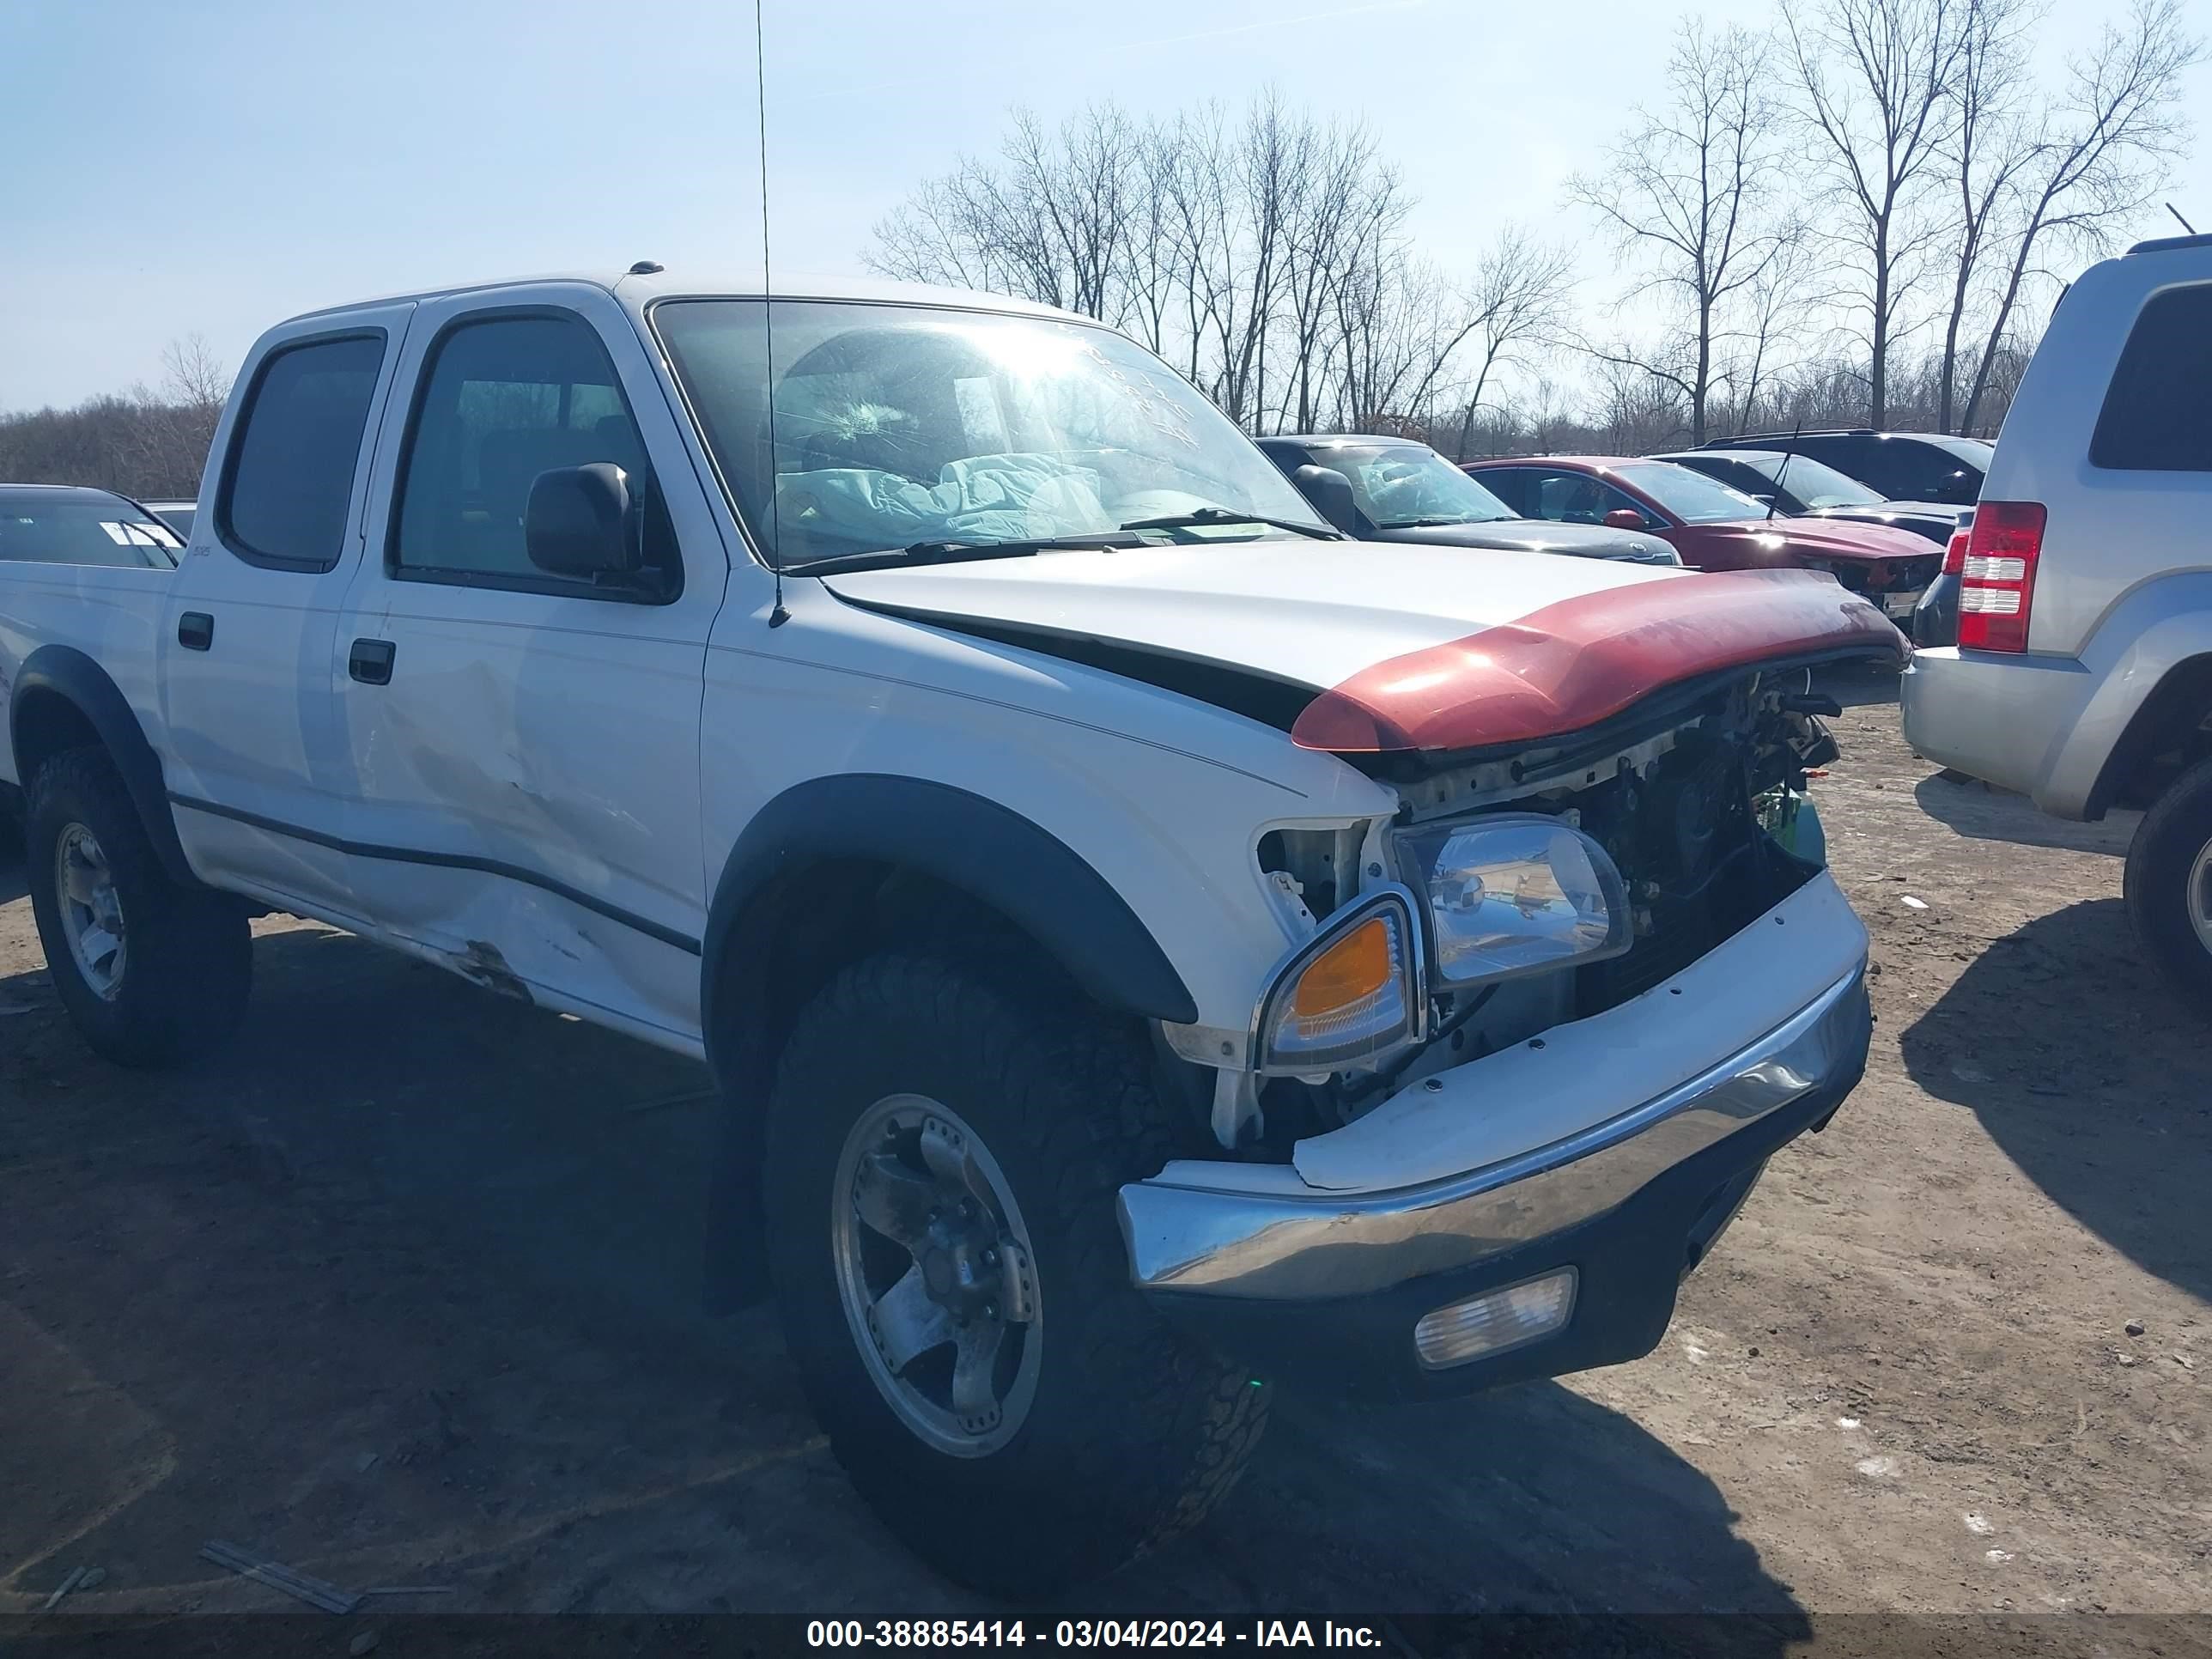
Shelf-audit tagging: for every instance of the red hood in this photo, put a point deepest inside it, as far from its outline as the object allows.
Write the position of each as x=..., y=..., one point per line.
x=1579, y=661
x=1818, y=538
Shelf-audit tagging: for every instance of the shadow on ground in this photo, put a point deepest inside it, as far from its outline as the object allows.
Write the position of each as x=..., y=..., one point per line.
x=1978, y=813
x=2089, y=1075
x=402, y=1287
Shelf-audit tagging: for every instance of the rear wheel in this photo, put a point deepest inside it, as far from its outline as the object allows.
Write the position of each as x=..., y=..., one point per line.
x=945, y=1141
x=151, y=972
x=2169, y=884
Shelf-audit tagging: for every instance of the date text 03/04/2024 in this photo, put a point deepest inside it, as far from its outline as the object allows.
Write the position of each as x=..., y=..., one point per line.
x=1087, y=1633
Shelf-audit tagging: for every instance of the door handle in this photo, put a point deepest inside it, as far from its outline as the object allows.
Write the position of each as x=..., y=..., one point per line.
x=195, y=630
x=370, y=662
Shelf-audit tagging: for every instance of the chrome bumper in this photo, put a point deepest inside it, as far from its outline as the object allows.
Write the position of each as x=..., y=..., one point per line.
x=1286, y=1245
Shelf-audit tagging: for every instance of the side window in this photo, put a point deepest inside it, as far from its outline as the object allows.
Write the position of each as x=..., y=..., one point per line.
x=288, y=481
x=1509, y=485
x=2157, y=415
x=1899, y=469
x=504, y=399
x=1577, y=498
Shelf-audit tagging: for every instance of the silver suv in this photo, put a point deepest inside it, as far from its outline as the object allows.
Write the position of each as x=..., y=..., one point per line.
x=2083, y=676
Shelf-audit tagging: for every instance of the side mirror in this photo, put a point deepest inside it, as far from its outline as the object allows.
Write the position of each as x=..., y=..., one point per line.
x=1330, y=492
x=1624, y=518
x=582, y=521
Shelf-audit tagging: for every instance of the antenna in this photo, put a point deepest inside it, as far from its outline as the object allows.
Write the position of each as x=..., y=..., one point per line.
x=1782, y=471
x=778, y=616
x=2184, y=224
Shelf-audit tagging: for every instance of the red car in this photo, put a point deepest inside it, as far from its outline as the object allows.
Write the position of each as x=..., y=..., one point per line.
x=1712, y=527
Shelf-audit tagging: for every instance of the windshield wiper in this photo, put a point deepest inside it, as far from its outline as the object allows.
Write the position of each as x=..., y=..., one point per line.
x=1431, y=522
x=950, y=550
x=1213, y=515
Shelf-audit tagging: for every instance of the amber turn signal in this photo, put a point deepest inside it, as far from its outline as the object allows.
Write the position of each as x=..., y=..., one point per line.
x=1354, y=969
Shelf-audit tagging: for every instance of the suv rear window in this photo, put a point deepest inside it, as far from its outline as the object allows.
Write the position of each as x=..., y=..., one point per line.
x=288, y=481
x=2158, y=412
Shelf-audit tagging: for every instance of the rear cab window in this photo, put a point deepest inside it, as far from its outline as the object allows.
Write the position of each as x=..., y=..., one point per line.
x=288, y=479
x=2157, y=414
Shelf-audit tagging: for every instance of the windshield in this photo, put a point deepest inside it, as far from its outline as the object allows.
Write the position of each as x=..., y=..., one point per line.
x=1690, y=496
x=61, y=528
x=898, y=425
x=1813, y=482
x=1400, y=484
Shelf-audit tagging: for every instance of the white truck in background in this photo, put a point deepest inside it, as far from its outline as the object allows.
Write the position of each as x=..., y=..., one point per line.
x=2083, y=676
x=1148, y=946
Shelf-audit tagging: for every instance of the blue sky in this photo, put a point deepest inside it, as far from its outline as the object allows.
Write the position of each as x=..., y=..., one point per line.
x=217, y=166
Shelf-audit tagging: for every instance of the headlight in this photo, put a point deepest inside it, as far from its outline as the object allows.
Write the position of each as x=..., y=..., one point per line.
x=1515, y=894
x=1350, y=993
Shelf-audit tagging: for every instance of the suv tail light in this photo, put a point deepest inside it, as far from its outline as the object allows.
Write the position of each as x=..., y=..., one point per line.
x=1996, y=579
x=1955, y=552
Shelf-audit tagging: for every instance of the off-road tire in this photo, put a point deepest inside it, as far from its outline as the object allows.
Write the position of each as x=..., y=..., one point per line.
x=189, y=961
x=2168, y=842
x=1135, y=1432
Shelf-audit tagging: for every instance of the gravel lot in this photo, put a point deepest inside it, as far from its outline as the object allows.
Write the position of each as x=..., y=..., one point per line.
x=402, y=1289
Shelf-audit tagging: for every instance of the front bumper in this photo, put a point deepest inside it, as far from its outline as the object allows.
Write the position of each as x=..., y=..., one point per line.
x=1326, y=1288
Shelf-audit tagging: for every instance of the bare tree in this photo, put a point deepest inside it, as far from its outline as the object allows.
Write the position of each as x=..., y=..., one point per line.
x=1776, y=306
x=193, y=375
x=1050, y=220
x=1989, y=145
x=2096, y=161
x=1518, y=303
x=1686, y=193
x=1876, y=79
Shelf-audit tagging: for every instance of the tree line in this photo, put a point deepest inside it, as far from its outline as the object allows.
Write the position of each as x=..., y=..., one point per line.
x=150, y=443
x=1859, y=215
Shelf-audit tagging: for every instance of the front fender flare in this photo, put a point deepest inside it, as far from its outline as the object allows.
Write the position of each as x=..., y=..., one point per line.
x=65, y=672
x=992, y=854
x=974, y=845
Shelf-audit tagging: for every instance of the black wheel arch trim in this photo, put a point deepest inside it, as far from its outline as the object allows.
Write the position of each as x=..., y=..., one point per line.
x=65, y=672
x=964, y=841
x=2171, y=712
x=985, y=850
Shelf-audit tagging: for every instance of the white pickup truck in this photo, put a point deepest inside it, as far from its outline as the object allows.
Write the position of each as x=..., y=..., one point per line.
x=1148, y=946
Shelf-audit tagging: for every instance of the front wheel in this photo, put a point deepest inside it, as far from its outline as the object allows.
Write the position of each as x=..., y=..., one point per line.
x=945, y=1141
x=151, y=972
x=2169, y=884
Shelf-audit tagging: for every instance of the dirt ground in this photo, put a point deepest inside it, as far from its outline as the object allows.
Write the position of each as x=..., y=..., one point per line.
x=402, y=1289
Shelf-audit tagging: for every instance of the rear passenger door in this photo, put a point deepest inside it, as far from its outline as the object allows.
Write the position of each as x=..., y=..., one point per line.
x=527, y=744
x=257, y=763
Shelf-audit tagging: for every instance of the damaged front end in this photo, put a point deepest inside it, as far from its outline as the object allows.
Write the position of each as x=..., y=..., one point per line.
x=1543, y=879
x=1682, y=836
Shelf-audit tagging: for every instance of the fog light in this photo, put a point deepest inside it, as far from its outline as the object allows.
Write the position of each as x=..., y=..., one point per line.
x=1495, y=1321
